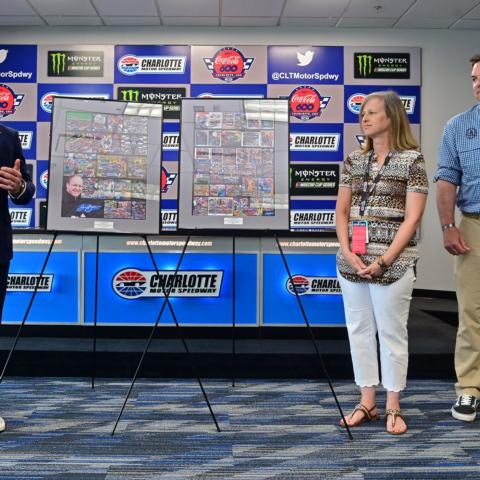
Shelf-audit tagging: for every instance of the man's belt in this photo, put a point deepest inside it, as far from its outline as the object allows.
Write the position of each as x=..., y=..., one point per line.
x=471, y=214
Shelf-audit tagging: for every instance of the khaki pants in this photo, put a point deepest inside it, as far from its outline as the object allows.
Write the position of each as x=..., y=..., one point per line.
x=467, y=273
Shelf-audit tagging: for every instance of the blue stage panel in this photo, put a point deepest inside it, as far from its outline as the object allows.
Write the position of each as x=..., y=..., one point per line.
x=59, y=304
x=314, y=276
x=128, y=282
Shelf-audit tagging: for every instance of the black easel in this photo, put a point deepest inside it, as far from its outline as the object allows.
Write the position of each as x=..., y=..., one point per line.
x=312, y=336
x=165, y=302
x=94, y=356
x=32, y=298
x=233, y=311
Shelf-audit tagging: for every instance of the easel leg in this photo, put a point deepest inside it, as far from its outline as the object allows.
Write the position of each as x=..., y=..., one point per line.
x=32, y=298
x=233, y=312
x=312, y=335
x=94, y=353
x=165, y=302
x=185, y=346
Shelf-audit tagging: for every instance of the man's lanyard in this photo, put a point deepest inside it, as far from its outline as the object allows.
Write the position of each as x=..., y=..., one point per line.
x=366, y=192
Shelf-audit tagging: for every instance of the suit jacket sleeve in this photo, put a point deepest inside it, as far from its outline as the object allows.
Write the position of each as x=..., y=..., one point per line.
x=27, y=195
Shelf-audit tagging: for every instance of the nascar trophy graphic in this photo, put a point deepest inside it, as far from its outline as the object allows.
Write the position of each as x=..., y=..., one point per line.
x=105, y=167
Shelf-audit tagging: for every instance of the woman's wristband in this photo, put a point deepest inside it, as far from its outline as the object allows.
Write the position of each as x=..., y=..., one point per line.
x=381, y=263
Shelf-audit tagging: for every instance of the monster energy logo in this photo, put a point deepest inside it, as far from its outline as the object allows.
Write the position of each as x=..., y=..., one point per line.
x=364, y=64
x=58, y=62
x=130, y=95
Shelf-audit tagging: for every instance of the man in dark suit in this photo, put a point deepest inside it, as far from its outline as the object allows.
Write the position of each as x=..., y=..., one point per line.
x=15, y=182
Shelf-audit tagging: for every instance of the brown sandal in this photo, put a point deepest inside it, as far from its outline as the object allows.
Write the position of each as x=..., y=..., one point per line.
x=367, y=415
x=395, y=412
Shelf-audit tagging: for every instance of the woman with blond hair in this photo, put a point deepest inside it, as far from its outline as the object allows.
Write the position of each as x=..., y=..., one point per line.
x=381, y=199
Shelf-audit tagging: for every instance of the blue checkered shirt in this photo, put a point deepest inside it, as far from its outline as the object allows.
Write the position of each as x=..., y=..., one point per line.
x=459, y=158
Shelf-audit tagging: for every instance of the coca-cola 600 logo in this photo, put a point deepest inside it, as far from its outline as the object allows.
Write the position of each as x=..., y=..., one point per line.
x=9, y=100
x=306, y=103
x=228, y=64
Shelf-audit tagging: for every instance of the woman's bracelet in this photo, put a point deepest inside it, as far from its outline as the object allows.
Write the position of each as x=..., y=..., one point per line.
x=381, y=263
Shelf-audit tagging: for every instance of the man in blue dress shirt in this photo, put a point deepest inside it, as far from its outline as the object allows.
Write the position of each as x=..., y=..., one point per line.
x=15, y=182
x=458, y=181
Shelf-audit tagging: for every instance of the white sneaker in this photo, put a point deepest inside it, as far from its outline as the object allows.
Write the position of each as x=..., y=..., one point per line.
x=465, y=408
x=2, y=424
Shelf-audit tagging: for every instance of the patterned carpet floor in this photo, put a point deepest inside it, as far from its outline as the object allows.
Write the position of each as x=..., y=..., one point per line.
x=60, y=429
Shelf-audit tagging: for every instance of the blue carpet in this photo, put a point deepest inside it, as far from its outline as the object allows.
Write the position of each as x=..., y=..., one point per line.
x=60, y=429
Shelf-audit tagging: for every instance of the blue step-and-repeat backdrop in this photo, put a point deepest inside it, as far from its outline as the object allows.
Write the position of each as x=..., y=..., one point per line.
x=324, y=84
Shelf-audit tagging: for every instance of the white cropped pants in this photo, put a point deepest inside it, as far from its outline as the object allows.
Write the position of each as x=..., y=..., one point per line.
x=369, y=309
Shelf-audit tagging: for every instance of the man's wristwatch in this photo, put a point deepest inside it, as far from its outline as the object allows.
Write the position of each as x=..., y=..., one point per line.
x=23, y=187
x=446, y=226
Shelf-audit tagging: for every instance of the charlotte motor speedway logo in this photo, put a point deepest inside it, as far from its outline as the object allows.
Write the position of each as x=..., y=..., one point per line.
x=354, y=103
x=170, y=141
x=313, y=285
x=26, y=282
x=44, y=179
x=156, y=64
x=131, y=283
x=320, y=142
x=21, y=217
x=26, y=138
x=46, y=102
x=228, y=64
x=311, y=220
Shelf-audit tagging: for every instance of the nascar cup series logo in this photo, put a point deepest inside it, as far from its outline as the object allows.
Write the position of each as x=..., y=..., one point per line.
x=131, y=283
x=306, y=103
x=313, y=285
x=9, y=100
x=354, y=102
x=228, y=64
x=167, y=179
x=137, y=65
